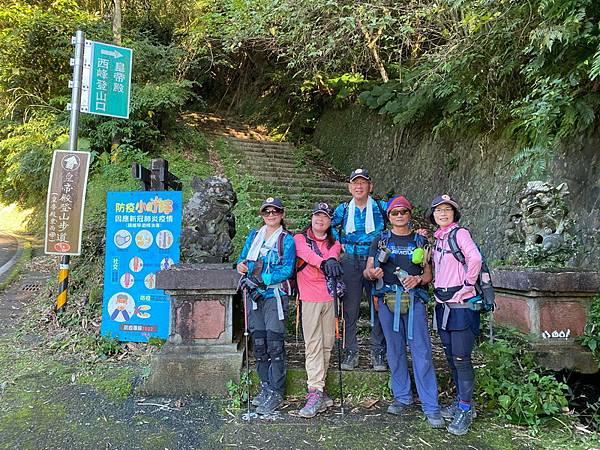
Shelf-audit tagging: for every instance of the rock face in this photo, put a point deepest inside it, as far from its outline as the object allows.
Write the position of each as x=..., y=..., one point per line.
x=540, y=232
x=208, y=222
x=477, y=170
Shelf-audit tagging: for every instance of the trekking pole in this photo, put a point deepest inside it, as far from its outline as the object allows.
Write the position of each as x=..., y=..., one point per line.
x=248, y=414
x=338, y=317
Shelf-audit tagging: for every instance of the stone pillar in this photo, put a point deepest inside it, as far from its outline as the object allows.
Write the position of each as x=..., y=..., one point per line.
x=551, y=305
x=200, y=355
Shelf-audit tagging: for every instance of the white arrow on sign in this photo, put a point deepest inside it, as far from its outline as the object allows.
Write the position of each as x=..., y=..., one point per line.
x=113, y=53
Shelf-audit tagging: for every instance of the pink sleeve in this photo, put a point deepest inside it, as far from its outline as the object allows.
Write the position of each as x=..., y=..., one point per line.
x=335, y=250
x=472, y=255
x=304, y=252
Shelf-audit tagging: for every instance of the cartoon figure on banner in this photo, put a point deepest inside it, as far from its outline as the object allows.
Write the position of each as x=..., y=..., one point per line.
x=165, y=263
x=121, y=308
x=144, y=239
x=164, y=239
x=136, y=264
x=122, y=239
x=127, y=280
x=150, y=281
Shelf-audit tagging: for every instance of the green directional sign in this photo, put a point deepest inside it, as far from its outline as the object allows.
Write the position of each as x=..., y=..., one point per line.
x=106, y=85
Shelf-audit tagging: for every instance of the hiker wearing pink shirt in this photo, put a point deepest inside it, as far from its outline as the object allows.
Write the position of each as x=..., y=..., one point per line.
x=318, y=252
x=456, y=318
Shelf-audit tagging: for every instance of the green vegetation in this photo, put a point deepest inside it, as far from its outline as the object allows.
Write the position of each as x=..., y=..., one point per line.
x=591, y=334
x=512, y=384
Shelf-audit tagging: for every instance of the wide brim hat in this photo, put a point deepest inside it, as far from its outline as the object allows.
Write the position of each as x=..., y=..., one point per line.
x=440, y=200
x=357, y=173
x=272, y=201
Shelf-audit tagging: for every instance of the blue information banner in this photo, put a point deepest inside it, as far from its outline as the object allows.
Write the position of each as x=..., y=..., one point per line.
x=142, y=238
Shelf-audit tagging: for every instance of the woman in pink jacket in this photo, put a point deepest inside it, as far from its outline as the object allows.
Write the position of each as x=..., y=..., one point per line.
x=318, y=253
x=456, y=316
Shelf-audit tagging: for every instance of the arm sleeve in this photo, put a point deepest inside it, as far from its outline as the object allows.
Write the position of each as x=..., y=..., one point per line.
x=247, y=245
x=338, y=215
x=285, y=269
x=304, y=252
x=336, y=250
x=472, y=255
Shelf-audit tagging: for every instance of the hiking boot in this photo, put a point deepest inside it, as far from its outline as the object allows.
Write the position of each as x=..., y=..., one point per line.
x=397, y=407
x=450, y=411
x=327, y=401
x=314, y=404
x=378, y=362
x=262, y=395
x=435, y=420
x=273, y=401
x=461, y=422
x=350, y=362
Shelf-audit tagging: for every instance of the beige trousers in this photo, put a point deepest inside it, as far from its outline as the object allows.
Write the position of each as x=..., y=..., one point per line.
x=318, y=326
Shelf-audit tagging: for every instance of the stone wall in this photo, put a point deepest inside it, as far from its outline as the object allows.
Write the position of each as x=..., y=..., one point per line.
x=476, y=170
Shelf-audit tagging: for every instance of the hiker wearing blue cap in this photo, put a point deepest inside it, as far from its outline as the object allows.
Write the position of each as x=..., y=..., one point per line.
x=358, y=222
x=267, y=263
x=456, y=317
x=317, y=271
x=398, y=263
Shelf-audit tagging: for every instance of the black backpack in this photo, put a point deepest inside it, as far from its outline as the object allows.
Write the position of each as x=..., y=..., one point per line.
x=483, y=285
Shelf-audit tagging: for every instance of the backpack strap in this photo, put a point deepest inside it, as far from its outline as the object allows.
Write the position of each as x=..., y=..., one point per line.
x=301, y=264
x=454, y=248
x=382, y=212
x=280, y=240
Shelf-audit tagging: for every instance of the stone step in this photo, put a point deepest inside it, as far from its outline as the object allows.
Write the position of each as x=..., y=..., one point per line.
x=258, y=143
x=301, y=199
x=313, y=190
x=281, y=157
x=301, y=182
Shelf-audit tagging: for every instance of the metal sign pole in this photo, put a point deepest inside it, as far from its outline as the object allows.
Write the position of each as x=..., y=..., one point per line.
x=79, y=41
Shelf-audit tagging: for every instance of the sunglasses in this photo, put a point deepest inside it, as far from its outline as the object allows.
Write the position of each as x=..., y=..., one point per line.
x=400, y=211
x=270, y=212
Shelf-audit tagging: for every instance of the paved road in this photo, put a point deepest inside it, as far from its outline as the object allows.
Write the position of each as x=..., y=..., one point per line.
x=9, y=246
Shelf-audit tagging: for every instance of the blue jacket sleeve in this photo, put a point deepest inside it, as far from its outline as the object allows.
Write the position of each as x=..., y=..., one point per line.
x=338, y=215
x=285, y=268
x=247, y=245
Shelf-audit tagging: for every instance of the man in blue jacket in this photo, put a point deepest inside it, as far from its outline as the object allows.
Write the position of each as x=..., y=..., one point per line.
x=359, y=221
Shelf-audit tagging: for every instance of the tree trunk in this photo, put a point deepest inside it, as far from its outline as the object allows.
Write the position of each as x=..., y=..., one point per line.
x=116, y=23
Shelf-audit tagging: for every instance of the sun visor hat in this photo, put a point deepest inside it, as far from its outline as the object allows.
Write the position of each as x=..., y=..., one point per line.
x=364, y=173
x=324, y=208
x=399, y=202
x=271, y=201
x=445, y=198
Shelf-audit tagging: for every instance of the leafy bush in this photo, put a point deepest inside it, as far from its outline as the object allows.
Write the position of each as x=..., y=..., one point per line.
x=25, y=156
x=511, y=382
x=591, y=334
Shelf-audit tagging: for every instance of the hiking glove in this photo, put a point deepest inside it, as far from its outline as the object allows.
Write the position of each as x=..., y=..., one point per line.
x=250, y=283
x=332, y=268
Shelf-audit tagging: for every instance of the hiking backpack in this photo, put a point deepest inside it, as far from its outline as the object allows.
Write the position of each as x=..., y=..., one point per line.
x=483, y=285
x=290, y=286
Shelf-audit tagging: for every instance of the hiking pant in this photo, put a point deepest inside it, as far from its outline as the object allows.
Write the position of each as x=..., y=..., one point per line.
x=318, y=328
x=420, y=350
x=458, y=340
x=268, y=333
x=353, y=266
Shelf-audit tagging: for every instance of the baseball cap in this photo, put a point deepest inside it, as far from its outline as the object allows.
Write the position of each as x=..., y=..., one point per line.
x=360, y=173
x=324, y=208
x=272, y=201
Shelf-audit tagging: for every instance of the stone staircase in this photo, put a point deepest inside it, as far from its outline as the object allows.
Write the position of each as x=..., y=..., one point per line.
x=275, y=169
x=278, y=172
